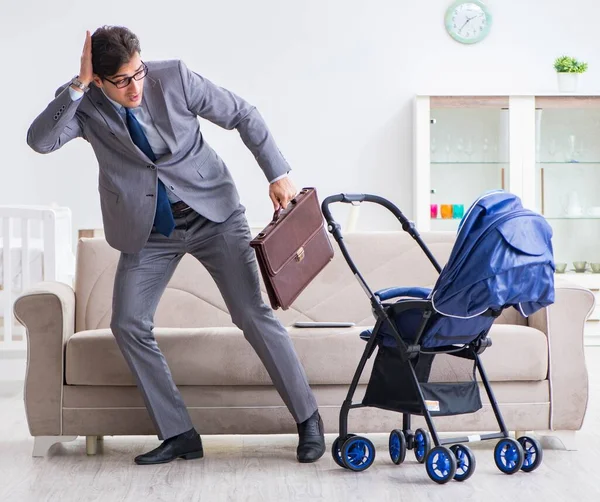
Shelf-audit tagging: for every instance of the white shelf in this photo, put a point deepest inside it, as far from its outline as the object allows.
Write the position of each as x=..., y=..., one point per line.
x=502, y=92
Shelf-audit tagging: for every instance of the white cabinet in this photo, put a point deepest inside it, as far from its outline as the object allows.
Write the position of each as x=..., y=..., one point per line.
x=466, y=145
x=543, y=148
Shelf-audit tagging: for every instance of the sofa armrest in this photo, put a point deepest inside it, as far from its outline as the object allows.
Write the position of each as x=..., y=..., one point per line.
x=47, y=311
x=563, y=322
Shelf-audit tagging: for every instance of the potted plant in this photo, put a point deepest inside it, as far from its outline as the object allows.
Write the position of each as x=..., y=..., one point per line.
x=568, y=70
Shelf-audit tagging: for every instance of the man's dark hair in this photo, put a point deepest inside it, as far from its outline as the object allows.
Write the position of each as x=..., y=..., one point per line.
x=112, y=47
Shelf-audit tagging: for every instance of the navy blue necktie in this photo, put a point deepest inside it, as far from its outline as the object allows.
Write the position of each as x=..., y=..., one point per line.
x=163, y=219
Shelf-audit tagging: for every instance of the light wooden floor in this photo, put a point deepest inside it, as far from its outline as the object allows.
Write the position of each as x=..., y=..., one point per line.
x=255, y=468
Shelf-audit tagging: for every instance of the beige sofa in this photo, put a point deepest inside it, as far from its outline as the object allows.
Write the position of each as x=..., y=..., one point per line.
x=78, y=384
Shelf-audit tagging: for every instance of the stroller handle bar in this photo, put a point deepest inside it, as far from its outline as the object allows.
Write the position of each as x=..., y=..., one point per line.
x=351, y=198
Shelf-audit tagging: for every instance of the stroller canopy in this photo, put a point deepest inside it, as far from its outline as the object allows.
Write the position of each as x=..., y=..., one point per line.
x=502, y=257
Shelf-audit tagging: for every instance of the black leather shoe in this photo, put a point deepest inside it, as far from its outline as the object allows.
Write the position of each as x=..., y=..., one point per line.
x=187, y=445
x=311, y=444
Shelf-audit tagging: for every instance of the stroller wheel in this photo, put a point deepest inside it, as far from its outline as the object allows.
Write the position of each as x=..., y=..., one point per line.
x=441, y=464
x=336, y=450
x=397, y=445
x=533, y=453
x=358, y=453
x=465, y=462
x=422, y=445
x=508, y=455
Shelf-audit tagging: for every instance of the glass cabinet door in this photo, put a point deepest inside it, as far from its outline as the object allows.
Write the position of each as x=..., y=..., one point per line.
x=568, y=177
x=469, y=154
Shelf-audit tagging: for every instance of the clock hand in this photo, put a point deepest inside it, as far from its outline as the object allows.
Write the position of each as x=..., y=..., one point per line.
x=468, y=19
x=460, y=29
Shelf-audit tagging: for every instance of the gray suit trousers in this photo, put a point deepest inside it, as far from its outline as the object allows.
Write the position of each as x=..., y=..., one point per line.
x=141, y=278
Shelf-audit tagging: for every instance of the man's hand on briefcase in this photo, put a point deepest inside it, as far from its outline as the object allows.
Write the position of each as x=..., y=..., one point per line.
x=291, y=251
x=282, y=192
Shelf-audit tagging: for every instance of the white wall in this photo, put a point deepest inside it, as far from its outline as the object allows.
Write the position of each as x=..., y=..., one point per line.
x=334, y=79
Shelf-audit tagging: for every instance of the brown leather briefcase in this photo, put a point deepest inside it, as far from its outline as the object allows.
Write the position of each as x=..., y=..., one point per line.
x=293, y=249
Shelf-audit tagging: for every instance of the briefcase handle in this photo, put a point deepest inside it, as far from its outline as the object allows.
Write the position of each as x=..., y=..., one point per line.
x=276, y=215
x=278, y=212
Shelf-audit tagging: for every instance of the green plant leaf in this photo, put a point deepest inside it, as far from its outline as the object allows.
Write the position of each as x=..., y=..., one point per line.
x=568, y=64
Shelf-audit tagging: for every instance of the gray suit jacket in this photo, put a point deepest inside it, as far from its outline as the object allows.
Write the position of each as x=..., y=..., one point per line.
x=175, y=97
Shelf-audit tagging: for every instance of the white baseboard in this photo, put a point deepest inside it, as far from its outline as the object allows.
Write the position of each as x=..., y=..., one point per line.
x=13, y=351
x=11, y=388
x=591, y=340
x=17, y=347
x=12, y=370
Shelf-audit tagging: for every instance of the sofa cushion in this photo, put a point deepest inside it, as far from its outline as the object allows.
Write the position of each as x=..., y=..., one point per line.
x=221, y=356
x=192, y=300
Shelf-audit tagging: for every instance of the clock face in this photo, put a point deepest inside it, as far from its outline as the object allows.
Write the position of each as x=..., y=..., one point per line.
x=468, y=22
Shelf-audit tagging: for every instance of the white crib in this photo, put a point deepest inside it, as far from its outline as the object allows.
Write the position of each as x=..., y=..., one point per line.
x=36, y=244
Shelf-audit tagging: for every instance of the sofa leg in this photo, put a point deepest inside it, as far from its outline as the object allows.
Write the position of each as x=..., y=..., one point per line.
x=41, y=444
x=100, y=438
x=91, y=445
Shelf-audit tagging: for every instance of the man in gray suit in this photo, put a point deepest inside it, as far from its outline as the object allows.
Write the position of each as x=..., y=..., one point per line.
x=164, y=192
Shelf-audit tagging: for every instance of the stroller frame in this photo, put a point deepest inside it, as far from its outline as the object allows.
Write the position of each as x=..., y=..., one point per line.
x=409, y=353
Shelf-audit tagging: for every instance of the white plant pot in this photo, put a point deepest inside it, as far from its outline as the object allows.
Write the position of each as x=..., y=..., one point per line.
x=567, y=82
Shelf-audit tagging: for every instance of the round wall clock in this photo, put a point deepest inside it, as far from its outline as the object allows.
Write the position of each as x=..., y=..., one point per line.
x=468, y=21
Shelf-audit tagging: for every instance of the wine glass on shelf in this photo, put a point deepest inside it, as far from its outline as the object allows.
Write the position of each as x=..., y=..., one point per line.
x=433, y=149
x=485, y=149
x=578, y=150
x=469, y=149
x=448, y=147
x=572, y=154
x=552, y=149
x=460, y=147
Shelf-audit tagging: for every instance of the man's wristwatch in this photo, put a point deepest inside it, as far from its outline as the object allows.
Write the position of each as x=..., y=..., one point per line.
x=79, y=84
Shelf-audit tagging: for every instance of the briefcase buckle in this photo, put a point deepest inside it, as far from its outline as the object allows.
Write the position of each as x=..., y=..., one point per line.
x=300, y=254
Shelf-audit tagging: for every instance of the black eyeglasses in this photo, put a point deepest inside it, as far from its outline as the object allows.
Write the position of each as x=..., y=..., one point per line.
x=124, y=82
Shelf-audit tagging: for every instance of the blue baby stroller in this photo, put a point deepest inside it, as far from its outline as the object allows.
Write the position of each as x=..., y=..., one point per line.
x=502, y=258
